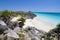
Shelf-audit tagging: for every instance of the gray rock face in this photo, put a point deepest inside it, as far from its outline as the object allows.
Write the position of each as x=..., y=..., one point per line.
x=30, y=15
x=32, y=34
x=35, y=33
x=2, y=28
x=10, y=24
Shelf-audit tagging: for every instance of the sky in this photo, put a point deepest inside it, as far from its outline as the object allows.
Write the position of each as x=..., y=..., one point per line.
x=31, y=5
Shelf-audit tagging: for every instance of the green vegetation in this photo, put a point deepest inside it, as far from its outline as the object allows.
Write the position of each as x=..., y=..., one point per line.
x=22, y=19
x=16, y=13
x=26, y=30
x=21, y=35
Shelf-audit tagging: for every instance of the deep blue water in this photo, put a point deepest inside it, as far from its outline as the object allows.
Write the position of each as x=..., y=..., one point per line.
x=54, y=17
x=47, y=13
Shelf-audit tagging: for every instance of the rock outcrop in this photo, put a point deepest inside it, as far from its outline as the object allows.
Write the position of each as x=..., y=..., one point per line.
x=15, y=31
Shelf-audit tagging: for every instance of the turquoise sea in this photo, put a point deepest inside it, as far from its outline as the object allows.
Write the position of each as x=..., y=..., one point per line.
x=52, y=17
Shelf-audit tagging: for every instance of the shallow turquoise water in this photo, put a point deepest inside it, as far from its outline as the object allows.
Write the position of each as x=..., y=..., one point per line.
x=49, y=16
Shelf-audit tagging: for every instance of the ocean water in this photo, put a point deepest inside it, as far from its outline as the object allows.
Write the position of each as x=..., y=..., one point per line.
x=49, y=16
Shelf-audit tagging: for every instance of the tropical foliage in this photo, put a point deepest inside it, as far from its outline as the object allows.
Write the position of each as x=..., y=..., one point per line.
x=21, y=35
